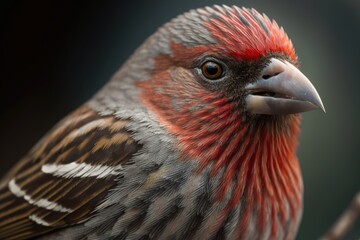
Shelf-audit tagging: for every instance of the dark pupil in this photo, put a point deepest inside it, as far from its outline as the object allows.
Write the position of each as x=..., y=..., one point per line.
x=212, y=69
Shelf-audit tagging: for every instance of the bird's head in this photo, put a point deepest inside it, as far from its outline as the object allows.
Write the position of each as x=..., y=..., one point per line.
x=218, y=58
x=219, y=72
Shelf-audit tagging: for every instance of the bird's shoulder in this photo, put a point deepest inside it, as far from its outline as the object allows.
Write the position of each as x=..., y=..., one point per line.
x=66, y=175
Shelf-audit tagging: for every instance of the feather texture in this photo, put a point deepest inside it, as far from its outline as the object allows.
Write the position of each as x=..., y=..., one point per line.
x=65, y=177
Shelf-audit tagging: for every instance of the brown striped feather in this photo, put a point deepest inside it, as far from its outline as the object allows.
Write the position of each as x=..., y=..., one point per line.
x=84, y=137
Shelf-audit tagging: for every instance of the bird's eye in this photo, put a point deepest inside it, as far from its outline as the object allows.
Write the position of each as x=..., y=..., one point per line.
x=211, y=70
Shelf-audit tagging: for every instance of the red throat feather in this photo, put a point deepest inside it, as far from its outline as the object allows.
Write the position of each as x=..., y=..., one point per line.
x=261, y=164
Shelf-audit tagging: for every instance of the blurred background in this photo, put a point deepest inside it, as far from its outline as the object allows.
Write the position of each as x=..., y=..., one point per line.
x=56, y=54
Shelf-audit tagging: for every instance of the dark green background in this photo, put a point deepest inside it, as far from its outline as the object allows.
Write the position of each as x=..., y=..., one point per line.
x=55, y=55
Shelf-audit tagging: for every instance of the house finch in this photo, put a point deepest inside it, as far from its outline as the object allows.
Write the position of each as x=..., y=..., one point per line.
x=194, y=137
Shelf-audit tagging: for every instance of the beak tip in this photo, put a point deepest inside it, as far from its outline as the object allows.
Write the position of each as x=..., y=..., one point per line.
x=323, y=108
x=318, y=102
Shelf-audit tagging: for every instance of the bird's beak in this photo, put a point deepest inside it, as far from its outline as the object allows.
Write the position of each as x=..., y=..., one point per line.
x=282, y=89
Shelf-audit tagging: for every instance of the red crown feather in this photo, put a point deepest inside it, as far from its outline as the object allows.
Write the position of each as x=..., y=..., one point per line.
x=246, y=34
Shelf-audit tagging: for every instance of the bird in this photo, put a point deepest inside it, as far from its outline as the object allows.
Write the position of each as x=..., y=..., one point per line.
x=194, y=137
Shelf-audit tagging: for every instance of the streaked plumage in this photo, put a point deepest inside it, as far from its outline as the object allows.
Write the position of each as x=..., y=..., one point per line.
x=163, y=153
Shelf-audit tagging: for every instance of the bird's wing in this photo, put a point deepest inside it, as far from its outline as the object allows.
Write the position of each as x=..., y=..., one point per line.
x=62, y=180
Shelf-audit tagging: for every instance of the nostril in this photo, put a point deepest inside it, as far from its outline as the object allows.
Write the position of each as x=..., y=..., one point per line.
x=267, y=76
x=274, y=68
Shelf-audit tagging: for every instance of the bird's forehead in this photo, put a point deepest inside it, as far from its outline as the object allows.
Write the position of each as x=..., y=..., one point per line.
x=239, y=32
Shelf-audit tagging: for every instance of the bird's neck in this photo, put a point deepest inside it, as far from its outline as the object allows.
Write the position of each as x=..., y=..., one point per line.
x=255, y=158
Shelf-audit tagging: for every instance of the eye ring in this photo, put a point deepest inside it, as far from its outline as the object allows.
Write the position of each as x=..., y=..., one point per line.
x=211, y=70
